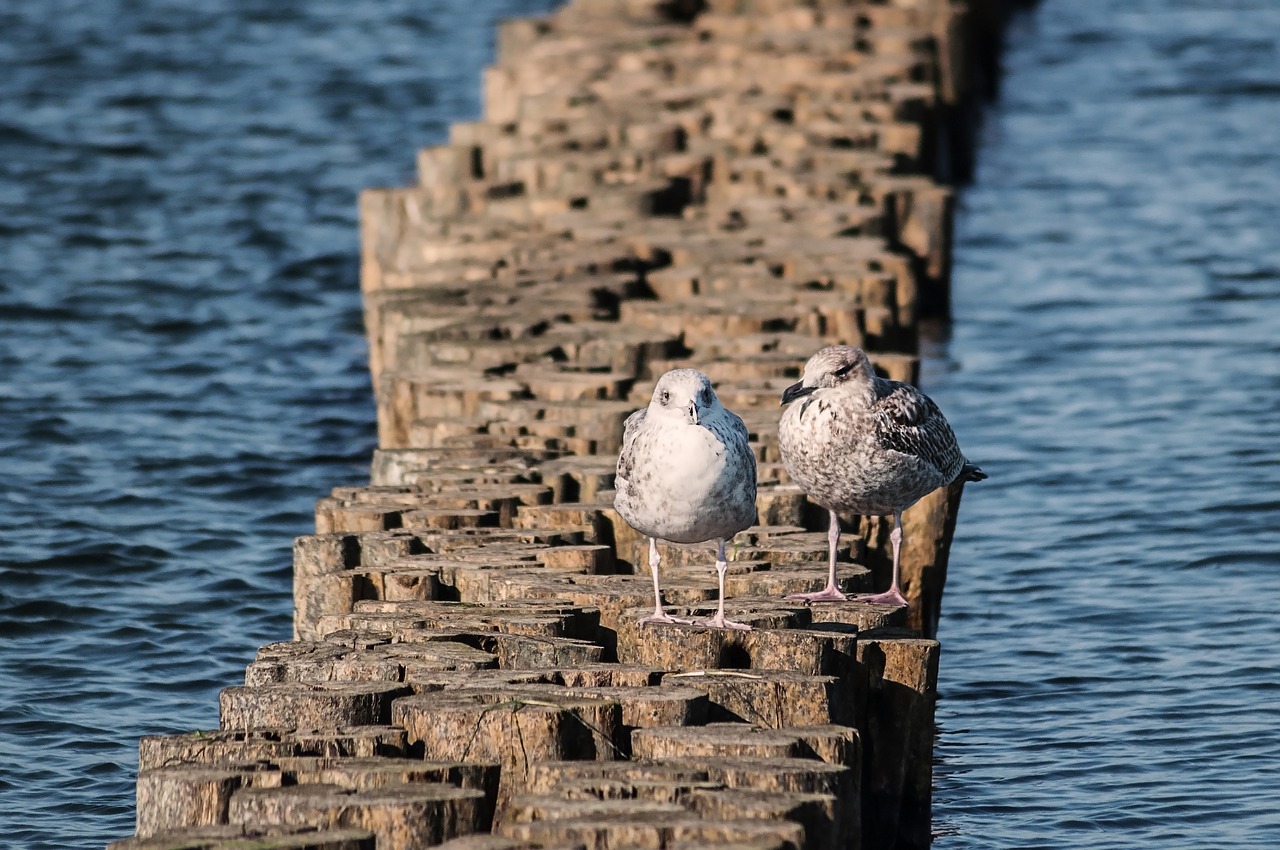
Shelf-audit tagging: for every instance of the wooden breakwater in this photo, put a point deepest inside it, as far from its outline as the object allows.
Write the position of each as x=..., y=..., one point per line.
x=728, y=185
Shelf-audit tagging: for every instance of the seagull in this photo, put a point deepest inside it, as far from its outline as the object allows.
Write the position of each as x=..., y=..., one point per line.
x=861, y=444
x=686, y=474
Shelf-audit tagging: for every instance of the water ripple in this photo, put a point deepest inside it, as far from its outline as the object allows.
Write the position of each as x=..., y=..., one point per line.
x=1107, y=680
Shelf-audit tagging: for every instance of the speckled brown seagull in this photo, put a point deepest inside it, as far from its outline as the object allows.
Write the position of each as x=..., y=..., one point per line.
x=860, y=444
x=686, y=474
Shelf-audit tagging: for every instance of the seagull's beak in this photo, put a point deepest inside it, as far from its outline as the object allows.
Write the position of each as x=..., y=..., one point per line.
x=795, y=391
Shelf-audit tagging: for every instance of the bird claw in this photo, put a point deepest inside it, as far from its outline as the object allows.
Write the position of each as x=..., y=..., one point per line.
x=889, y=597
x=829, y=594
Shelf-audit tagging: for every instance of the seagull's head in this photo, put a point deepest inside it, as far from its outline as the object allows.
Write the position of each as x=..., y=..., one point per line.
x=684, y=393
x=830, y=367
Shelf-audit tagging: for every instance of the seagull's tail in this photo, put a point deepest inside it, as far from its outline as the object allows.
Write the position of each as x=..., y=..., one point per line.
x=971, y=472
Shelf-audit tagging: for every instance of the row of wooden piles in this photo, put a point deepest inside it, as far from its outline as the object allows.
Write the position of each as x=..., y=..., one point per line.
x=728, y=185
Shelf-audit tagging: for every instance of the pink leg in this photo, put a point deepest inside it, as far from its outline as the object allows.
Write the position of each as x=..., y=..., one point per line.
x=830, y=593
x=892, y=596
x=658, y=615
x=718, y=621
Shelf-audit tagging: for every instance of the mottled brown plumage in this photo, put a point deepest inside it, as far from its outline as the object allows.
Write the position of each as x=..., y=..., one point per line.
x=860, y=444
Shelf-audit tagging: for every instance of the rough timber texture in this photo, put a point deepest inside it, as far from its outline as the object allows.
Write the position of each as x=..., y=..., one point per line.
x=728, y=184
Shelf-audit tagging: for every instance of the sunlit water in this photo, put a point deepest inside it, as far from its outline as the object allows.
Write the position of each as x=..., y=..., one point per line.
x=1109, y=674
x=182, y=366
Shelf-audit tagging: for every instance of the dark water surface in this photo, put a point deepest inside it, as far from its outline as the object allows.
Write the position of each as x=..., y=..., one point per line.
x=1109, y=671
x=182, y=365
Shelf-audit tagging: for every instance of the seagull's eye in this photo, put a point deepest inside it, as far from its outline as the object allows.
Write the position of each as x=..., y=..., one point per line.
x=844, y=370
x=665, y=397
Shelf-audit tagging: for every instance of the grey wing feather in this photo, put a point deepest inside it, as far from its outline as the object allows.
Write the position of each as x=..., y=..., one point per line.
x=741, y=439
x=733, y=433
x=632, y=423
x=908, y=421
x=627, y=457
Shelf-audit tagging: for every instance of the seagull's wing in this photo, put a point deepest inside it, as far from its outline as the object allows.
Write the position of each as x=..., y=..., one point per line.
x=627, y=457
x=908, y=421
x=737, y=439
x=739, y=463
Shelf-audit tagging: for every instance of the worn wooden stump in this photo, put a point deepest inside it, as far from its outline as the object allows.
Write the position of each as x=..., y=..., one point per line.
x=511, y=726
x=171, y=798
x=818, y=814
x=772, y=698
x=229, y=837
x=413, y=815
x=297, y=705
x=655, y=829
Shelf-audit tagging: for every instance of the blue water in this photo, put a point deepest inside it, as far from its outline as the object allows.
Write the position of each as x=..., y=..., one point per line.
x=1109, y=675
x=182, y=364
x=182, y=372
